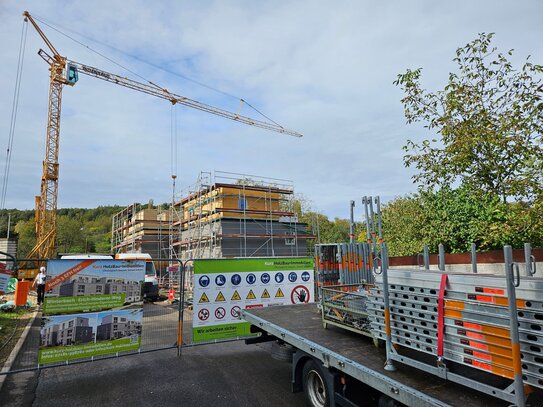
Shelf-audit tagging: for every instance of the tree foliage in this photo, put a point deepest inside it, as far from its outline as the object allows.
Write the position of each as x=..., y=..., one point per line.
x=79, y=230
x=319, y=225
x=456, y=218
x=488, y=120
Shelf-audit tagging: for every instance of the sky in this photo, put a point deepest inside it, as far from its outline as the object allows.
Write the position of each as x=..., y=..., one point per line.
x=324, y=69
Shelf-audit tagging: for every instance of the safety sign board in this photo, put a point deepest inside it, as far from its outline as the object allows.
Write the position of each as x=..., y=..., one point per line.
x=226, y=286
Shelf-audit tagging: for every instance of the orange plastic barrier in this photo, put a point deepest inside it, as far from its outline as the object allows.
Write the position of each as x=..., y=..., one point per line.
x=21, y=292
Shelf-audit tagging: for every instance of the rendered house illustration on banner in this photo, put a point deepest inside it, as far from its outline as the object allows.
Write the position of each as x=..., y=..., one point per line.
x=91, y=308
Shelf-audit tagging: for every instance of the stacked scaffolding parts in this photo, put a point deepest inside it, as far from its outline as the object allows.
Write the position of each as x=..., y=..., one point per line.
x=345, y=275
x=343, y=264
x=474, y=320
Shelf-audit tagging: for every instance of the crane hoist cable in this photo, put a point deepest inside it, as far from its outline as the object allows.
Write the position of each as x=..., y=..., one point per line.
x=14, y=110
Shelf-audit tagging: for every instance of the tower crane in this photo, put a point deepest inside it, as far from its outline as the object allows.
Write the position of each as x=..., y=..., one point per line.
x=66, y=72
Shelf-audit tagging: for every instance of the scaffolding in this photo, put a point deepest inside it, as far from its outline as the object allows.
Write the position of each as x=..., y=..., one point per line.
x=136, y=229
x=226, y=214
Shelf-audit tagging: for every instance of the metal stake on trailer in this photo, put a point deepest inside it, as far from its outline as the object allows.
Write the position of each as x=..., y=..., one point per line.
x=513, y=323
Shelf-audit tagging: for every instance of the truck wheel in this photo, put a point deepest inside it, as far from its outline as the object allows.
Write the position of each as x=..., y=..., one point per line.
x=315, y=386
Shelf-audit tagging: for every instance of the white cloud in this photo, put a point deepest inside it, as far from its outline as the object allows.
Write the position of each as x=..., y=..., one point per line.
x=324, y=69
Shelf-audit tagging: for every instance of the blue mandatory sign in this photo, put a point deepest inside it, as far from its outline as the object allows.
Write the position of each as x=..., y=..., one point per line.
x=235, y=279
x=292, y=277
x=279, y=277
x=204, y=281
x=251, y=278
x=220, y=280
x=265, y=278
x=306, y=276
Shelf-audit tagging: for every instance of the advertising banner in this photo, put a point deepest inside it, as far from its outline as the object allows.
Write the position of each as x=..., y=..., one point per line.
x=91, y=308
x=222, y=287
x=5, y=275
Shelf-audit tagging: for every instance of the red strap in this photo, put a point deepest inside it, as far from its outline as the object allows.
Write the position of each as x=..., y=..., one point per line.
x=440, y=315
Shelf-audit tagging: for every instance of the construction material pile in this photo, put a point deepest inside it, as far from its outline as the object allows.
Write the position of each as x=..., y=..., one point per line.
x=344, y=272
x=475, y=316
x=343, y=264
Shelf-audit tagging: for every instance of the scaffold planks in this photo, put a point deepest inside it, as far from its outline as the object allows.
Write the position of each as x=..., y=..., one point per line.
x=476, y=319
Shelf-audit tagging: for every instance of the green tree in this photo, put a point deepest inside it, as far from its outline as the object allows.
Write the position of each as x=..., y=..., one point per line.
x=26, y=231
x=70, y=237
x=488, y=120
x=403, y=226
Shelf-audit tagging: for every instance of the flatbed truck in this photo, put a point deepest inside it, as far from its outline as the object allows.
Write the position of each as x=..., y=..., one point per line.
x=338, y=367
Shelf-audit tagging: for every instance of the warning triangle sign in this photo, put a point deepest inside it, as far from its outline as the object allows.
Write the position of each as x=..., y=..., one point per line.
x=251, y=295
x=265, y=294
x=235, y=296
x=203, y=298
x=279, y=293
x=220, y=297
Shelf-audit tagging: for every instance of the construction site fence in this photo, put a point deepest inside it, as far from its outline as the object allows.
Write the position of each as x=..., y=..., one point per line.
x=166, y=324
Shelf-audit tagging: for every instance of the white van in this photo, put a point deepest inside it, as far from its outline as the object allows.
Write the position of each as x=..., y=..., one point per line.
x=150, y=286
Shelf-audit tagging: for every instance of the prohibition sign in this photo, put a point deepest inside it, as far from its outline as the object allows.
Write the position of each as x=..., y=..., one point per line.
x=203, y=314
x=235, y=311
x=220, y=313
x=299, y=295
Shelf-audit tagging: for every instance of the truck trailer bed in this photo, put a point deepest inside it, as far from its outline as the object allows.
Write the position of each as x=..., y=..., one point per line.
x=356, y=355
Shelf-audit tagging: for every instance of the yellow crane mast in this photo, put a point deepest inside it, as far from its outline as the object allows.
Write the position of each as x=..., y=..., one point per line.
x=65, y=72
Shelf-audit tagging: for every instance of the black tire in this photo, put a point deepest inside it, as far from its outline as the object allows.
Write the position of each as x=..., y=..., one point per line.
x=282, y=352
x=316, y=388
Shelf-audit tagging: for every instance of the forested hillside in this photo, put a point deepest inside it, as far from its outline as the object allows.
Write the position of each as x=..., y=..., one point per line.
x=79, y=230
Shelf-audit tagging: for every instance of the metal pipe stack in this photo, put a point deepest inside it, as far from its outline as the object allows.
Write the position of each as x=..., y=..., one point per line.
x=343, y=264
x=476, y=317
x=326, y=263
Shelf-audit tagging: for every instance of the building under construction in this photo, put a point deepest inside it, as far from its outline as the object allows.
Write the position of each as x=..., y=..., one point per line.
x=138, y=229
x=236, y=215
x=221, y=215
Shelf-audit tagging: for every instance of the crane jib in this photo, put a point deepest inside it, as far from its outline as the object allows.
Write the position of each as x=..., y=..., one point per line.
x=157, y=91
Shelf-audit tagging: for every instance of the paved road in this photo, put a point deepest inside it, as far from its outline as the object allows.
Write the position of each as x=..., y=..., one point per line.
x=232, y=374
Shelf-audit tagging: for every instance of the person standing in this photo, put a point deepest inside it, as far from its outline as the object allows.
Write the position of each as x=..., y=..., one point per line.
x=40, y=282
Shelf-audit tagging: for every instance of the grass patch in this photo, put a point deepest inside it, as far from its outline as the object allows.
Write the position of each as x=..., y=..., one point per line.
x=12, y=325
